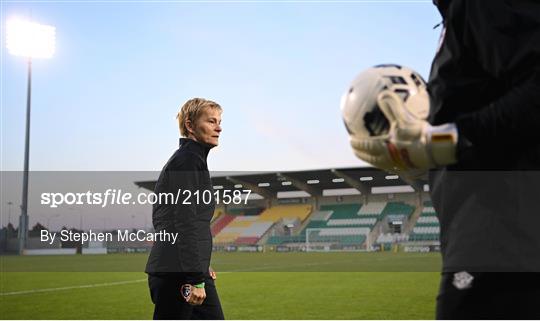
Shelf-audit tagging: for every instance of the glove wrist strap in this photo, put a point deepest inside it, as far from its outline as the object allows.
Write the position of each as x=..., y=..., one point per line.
x=442, y=141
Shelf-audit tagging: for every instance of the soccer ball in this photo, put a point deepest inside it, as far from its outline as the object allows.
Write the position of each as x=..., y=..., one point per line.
x=361, y=114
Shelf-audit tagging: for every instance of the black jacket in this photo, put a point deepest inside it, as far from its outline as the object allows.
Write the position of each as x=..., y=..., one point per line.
x=186, y=170
x=485, y=78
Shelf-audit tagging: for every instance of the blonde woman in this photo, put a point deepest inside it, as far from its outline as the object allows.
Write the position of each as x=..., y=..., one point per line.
x=179, y=277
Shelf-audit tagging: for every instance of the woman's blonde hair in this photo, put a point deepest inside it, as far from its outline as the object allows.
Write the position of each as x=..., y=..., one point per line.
x=191, y=110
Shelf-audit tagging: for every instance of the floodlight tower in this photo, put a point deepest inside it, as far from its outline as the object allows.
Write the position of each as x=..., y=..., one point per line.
x=31, y=40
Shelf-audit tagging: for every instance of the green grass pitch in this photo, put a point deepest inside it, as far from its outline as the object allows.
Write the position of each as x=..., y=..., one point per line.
x=251, y=286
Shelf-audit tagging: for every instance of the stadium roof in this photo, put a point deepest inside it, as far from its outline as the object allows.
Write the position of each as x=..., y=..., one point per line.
x=313, y=182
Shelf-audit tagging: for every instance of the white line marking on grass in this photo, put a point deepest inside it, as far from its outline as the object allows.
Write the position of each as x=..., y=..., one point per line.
x=71, y=287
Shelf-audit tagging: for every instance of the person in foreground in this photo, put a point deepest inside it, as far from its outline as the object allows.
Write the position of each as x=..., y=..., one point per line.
x=481, y=147
x=179, y=275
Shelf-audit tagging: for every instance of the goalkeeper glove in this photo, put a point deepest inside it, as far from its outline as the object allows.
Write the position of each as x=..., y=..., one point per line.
x=412, y=145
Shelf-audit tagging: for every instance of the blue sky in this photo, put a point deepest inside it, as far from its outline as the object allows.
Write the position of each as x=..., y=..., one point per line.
x=108, y=98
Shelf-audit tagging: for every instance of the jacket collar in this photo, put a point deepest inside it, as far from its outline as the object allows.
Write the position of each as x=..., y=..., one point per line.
x=195, y=147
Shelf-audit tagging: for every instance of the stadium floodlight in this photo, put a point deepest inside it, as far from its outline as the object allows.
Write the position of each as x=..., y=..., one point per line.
x=31, y=40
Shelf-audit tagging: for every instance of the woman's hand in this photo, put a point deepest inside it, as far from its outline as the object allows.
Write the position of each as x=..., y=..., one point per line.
x=193, y=295
x=197, y=296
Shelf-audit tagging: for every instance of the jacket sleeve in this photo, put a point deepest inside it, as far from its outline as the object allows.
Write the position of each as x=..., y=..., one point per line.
x=504, y=38
x=185, y=178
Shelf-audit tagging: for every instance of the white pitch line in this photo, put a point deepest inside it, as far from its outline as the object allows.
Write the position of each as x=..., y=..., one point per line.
x=72, y=287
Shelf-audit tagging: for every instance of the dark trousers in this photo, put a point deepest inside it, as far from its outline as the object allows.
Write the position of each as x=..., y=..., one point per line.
x=489, y=296
x=169, y=304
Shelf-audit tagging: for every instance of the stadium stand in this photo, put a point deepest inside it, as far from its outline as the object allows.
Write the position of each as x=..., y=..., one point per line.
x=372, y=209
x=341, y=217
x=248, y=229
x=276, y=213
x=398, y=208
x=427, y=226
x=346, y=224
x=219, y=224
x=337, y=223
